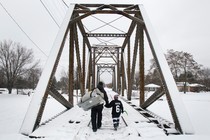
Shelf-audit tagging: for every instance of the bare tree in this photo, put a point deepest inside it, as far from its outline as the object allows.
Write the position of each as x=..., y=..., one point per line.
x=182, y=63
x=32, y=77
x=174, y=60
x=2, y=79
x=15, y=60
x=153, y=75
x=205, y=77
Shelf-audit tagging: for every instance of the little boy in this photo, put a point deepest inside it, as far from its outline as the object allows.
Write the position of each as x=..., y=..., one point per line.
x=117, y=109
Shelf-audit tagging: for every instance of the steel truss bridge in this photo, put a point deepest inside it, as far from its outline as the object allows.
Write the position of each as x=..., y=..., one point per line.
x=122, y=47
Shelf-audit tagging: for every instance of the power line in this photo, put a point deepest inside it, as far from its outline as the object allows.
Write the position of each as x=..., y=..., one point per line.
x=24, y=31
x=50, y=13
x=21, y=28
x=65, y=3
x=58, y=7
x=108, y=23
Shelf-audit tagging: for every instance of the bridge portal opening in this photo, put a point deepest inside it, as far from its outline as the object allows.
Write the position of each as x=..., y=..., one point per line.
x=93, y=32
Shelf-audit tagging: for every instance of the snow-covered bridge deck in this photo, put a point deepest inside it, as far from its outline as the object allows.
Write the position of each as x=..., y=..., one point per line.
x=75, y=124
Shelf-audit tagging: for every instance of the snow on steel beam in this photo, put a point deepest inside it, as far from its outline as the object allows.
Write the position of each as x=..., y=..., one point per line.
x=182, y=116
x=154, y=97
x=125, y=69
x=87, y=67
x=56, y=95
x=28, y=125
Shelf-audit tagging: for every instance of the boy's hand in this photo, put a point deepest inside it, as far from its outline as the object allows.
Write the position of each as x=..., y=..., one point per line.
x=106, y=105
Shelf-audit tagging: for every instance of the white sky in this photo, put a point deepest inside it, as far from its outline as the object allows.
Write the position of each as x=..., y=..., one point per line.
x=179, y=25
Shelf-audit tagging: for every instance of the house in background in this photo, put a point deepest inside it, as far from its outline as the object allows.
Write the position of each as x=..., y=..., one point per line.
x=3, y=90
x=151, y=87
x=190, y=87
x=180, y=86
x=197, y=87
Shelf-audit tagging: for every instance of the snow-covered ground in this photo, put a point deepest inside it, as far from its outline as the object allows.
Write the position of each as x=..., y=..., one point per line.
x=196, y=104
x=14, y=107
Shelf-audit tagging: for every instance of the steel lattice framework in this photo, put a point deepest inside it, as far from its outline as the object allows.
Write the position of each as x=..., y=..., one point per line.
x=89, y=66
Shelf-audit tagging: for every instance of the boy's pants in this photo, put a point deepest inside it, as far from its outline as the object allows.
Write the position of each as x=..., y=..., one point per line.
x=116, y=121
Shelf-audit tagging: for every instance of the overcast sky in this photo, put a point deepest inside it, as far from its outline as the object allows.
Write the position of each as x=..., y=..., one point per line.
x=182, y=25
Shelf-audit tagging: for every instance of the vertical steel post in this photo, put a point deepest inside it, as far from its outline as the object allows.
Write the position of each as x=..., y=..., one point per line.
x=122, y=73
x=133, y=62
x=141, y=67
x=83, y=67
x=71, y=64
x=94, y=68
x=90, y=71
x=114, y=79
x=128, y=71
x=118, y=72
x=79, y=67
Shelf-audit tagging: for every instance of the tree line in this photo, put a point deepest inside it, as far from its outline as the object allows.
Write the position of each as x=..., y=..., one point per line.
x=183, y=67
x=19, y=69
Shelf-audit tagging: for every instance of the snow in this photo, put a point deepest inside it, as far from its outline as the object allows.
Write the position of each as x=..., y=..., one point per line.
x=152, y=85
x=196, y=85
x=14, y=107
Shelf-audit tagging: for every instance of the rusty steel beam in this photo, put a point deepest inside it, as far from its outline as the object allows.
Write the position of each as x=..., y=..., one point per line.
x=105, y=35
x=133, y=62
x=57, y=96
x=90, y=72
x=106, y=65
x=114, y=79
x=41, y=110
x=173, y=111
x=141, y=67
x=82, y=30
x=106, y=46
x=115, y=5
x=130, y=31
x=102, y=70
x=81, y=7
x=133, y=18
x=99, y=10
x=79, y=67
x=128, y=70
x=118, y=72
x=99, y=52
x=83, y=11
x=44, y=99
x=106, y=6
x=83, y=66
x=71, y=65
x=79, y=18
x=105, y=52
x=154, y=97
x=112, y=53
x=93, y=67
x=122, y=74
x=132, y=7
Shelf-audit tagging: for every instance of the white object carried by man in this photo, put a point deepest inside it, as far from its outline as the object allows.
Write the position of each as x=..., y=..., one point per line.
x=91, y=99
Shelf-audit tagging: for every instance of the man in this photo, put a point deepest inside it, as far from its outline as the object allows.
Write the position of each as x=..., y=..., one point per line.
x=96, y=112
